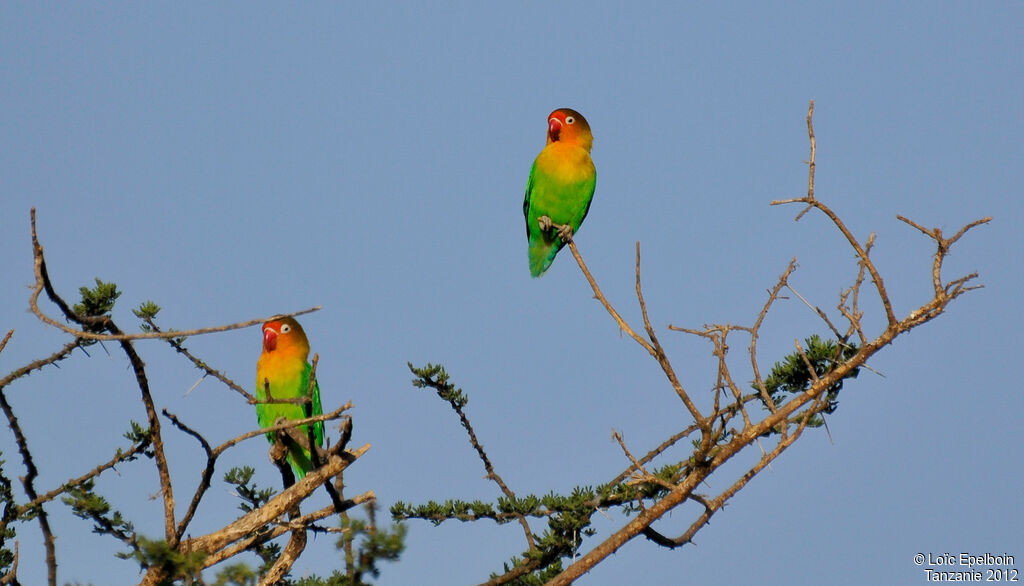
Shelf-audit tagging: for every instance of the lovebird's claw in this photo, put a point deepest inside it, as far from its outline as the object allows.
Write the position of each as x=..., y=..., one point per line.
x=545, y=223
x=565, y=232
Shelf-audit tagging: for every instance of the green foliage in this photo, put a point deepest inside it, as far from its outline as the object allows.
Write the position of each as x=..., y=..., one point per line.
x=86, y=504
x=791, y=376
x=568, y=516
x=138, y=435
x=155, y=553
x=96, y=302
x=252, y=497
x=435, y=377
x=10, y=514
x=237, y=574
x=147, y=311
x=365, y=545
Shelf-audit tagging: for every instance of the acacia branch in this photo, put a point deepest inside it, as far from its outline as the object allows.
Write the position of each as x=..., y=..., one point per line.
x=212, y=454
x=658, y=351
x=444, y=392
x=201, y=365
x=699, y=470
x=28, y=483
x=276, y=507
x=57, y=356
x=75, y=482
x=43, y=283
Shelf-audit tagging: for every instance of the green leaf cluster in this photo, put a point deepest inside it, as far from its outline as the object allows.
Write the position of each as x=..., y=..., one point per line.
x=96, y=302
x=434, y=376
x=10, y=514
x=86, y=504
x=791, y=376
x=367, y=543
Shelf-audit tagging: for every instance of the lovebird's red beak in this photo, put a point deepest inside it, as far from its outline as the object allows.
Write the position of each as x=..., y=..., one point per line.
x=554, y=128
x=269, y=340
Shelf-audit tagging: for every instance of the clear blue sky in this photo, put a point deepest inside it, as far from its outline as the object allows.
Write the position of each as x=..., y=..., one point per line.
x=237, y=160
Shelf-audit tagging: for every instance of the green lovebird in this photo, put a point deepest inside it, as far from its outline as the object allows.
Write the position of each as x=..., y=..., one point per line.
x=283, y=369
x=560, y=188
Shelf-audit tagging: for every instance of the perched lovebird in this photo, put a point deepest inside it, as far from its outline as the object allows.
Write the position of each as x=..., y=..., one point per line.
x=560, y=188
x=283, y=367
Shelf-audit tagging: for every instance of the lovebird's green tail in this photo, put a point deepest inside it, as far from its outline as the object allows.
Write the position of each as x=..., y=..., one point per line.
x=542, y=252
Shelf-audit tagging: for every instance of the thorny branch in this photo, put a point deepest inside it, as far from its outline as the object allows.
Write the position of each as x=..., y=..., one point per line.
x=439, y=387
x=43, y=282
x=267, y=522
x=798, y=410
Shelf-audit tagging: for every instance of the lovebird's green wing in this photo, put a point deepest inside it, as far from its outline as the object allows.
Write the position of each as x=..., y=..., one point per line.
x=317, y=409
x=284, y=387
x=564, y=197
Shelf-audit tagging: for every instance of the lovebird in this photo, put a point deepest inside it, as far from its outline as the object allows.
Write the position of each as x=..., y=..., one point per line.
x=283, y=363
x=560, y=188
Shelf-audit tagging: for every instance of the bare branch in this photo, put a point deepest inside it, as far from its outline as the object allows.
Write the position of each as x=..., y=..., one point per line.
x=655, y=347
x=28, y=483
x=43, y=282
x=491, y=473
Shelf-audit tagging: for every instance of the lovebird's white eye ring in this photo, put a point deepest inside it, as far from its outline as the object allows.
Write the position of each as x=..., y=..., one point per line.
x=285, y=328
x=569, y=120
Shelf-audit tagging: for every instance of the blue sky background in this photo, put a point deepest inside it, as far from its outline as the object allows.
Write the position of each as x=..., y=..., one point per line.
x=238, y=160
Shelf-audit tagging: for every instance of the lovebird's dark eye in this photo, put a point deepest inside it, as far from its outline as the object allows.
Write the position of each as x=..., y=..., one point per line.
x=569, y=120
x=285, y=328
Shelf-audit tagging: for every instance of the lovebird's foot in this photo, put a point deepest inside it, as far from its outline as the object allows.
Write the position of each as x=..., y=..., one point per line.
x=545, y=223
x=565, y=232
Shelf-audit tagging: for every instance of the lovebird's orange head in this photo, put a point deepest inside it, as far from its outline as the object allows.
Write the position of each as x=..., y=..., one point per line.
x=284, y=337
x=568, y=126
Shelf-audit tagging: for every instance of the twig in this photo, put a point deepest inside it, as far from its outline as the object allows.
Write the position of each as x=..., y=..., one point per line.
x=11, y=577
x=656, y=350
x=74, y=482
x=28, y=483
x=491, y=473
x=43, y=282
x=205, y=479
x=202, y=365
x=524, y=568
x=814, y=396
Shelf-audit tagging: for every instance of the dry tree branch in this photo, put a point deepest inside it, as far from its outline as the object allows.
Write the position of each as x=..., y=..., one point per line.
x=942, y=247
x=314, y=452
x=205, y=479
x=11, y=577
x=213, y=453
x=78, y=481
x=206, y=368
x=291, y=552
x=658, y=351
x=277, y=506
x=43, y=282
x=653, y=347
x=514, y=573
x=798, y=409
x=248, y=528
x=28, y=483
x=811, y=201
x=268, y=517
x=59, y=355
x=482, y=454
x=642, y=474
x=623, y=325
